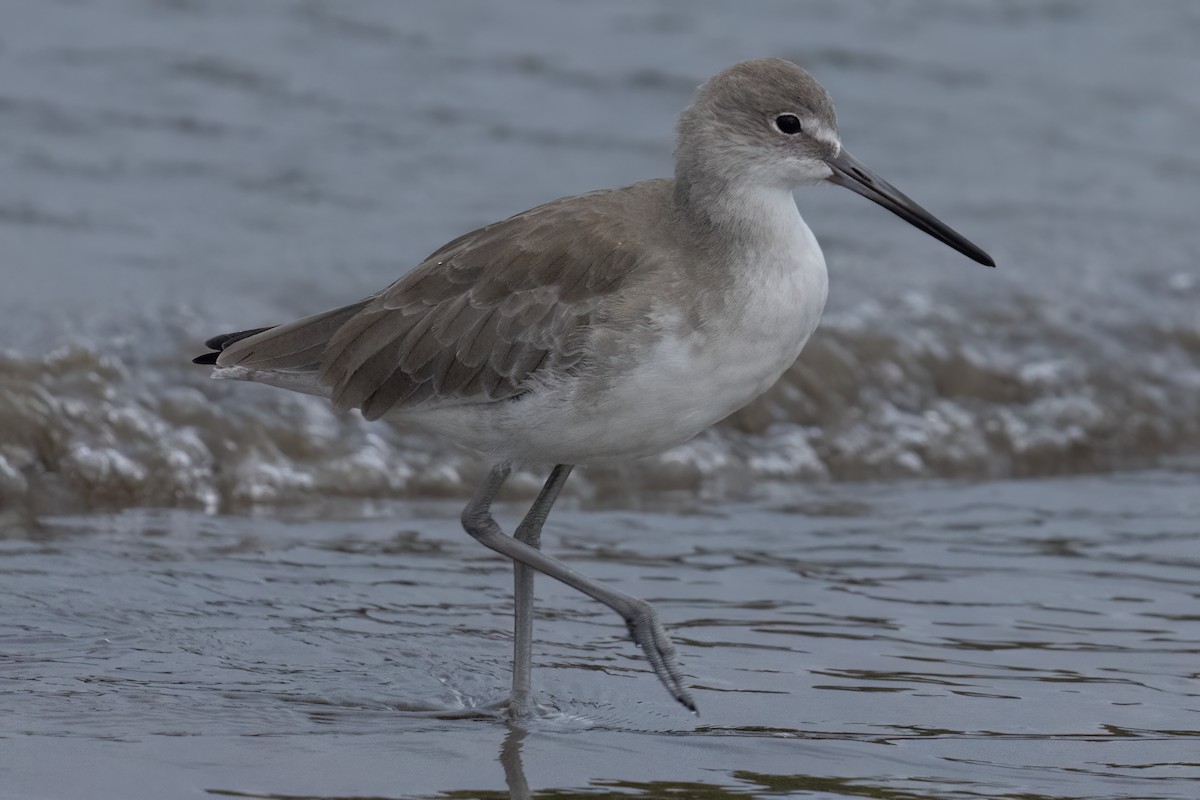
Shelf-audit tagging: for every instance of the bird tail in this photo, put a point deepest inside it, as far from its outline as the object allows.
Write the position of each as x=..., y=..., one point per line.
x=297, y=345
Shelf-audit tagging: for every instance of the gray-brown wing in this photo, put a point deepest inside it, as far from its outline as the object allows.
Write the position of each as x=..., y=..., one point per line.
x=488, y=311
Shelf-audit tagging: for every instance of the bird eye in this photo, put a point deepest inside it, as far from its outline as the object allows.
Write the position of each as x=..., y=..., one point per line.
x=788, y=123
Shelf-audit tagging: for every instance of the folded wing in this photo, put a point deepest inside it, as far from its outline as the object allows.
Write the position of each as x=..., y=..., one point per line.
x=475, y=322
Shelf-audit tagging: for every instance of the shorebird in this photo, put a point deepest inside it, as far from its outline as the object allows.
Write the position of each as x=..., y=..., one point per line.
x=606, y=326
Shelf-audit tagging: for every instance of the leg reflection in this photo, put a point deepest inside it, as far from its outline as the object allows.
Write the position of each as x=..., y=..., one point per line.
x=514, y=770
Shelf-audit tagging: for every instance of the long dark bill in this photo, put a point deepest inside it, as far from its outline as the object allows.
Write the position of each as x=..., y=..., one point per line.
x=848, y=171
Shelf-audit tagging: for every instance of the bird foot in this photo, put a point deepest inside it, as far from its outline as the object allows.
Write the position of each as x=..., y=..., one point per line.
x=649, y=634
x=513, y=709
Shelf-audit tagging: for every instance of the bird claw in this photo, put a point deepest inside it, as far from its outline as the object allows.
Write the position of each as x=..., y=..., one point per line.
x=648, y=633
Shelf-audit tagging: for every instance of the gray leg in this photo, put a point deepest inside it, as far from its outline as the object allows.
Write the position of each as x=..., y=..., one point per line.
x=644, y=627
x=529, y=532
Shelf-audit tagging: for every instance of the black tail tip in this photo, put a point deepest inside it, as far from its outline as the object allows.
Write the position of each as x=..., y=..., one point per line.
x=219, y=343
x=226, y=339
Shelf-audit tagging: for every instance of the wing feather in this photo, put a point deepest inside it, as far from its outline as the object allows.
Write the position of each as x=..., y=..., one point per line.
x=482, y=315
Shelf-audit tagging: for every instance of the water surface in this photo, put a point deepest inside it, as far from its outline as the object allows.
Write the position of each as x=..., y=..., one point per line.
x=1007, y=639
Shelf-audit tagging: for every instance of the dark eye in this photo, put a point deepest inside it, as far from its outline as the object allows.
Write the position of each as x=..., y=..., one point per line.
x=788, y=123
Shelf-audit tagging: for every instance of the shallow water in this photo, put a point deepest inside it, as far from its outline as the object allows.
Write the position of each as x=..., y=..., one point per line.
x=212, y=589
x=1032, y=639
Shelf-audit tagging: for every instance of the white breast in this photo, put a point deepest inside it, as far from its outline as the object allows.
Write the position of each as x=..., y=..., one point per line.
x=700, y=376
x=694, y=376
x=784, y=295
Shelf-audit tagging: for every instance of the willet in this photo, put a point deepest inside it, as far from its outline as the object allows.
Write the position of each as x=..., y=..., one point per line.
x=611, y=325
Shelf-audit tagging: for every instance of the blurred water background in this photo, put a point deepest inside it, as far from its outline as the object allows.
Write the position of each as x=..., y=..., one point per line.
x=952, y=554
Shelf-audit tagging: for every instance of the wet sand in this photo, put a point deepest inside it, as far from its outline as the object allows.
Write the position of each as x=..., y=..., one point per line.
x=1032, y=639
